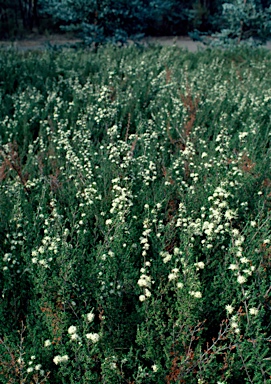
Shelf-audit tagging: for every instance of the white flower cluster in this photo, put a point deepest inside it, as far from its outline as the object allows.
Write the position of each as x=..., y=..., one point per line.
x=234, y=324
x=240, y=272
x=229, y=308
x=122, y=200
x=253, y=311
x=90, y=317
x=144, y=239
x=60, y=359
x=145, y=283
x=166, y=256
x=47, y=343
x=242, y=135
x=89, y=194
x=199, y=265
x=31, y=367
x=189, y=150
x=94, y=337
x=111, y=362
x=149, y=174
x=15, y=239
x=196, y=294
x=174, y=274
x=49, y=247
x=79, y=164
x=145, y=280
x=72, y=332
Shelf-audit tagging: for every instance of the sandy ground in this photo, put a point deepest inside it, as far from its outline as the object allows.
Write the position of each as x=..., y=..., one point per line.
x=35, y=42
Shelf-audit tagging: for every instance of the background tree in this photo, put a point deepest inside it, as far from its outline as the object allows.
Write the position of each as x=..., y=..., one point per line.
x=100, y=21
x=243, y=22
x=17, y=17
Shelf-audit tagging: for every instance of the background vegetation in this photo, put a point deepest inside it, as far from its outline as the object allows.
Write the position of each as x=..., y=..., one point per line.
x=117, y=21
x=135, y=198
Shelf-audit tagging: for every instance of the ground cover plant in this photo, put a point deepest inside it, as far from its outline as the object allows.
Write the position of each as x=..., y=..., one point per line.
x=135, y=197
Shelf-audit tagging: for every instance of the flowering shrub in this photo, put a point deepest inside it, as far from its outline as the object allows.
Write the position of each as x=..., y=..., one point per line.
x=135, y=216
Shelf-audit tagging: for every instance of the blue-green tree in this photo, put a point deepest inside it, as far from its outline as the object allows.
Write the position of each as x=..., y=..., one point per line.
x=243, y=22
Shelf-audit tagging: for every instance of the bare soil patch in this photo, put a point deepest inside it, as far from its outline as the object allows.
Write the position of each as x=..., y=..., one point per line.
x=38, y=42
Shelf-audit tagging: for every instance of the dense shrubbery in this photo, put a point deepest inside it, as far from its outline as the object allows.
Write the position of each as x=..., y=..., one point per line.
x=244, y=22
x=135, y=217
x=117, y=21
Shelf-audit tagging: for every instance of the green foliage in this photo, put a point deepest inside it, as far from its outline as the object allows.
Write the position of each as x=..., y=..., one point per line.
x=244, y=22
x=135, y=216
x=111, y=21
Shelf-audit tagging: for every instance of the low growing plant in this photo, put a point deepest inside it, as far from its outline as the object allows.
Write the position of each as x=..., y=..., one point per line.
x=135, y=216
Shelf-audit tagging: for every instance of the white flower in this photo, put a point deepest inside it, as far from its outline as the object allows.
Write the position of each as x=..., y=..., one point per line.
x=266, y=241
x=242, y=135
x=233, y=267
x=94, y=337
x=241, y=279
x=172, y=276
x=235, y=232
x=47, y=343
x=244, y=260
x=234, y=324
x=111, y=253
x=200, y=265
x=108, y=222
x=142, y=298
x=144, y=281
x=229, y=309
x=253, y=223
x=90, y=317
x=30, y=369
x=38, y=367
x=72, y=329
x=229, y=214
x=154, y=368
x=34, y=260
x=57, y=359
x=20, y=360
x=198, y=294
x=248, y=271
x=176, y=251
x=60, y=359
x=167, y=258
x=253, y=311
x=143, y=240
x=74, y=336
x=180, y=285
x=147, y=293
x=33, y=357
